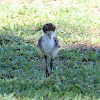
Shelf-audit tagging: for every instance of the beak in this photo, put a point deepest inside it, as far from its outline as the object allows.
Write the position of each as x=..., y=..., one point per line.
x=49, y=35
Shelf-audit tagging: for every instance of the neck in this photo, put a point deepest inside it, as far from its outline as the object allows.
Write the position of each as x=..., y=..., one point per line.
x=46, y=36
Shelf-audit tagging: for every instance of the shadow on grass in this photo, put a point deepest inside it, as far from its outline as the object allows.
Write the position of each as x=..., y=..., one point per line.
x=22, y=70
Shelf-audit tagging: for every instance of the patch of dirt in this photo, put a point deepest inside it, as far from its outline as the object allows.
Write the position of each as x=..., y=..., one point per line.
x=84, y=46
x=94, y=30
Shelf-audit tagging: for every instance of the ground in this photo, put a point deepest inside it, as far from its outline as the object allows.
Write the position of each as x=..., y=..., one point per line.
x=76, y=73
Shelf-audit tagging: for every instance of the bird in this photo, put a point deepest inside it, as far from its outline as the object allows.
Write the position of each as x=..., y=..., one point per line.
x=48, y=45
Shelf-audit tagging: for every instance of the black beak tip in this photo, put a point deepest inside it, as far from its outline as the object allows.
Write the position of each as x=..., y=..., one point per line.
x=49, y=36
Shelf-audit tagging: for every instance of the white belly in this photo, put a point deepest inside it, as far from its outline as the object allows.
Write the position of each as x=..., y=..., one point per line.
x=48, y=45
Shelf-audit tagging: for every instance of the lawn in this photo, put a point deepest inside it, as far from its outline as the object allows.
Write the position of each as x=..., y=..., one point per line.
x=76, y=74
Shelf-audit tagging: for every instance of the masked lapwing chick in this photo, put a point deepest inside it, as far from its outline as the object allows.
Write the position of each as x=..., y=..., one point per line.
x=48, y=45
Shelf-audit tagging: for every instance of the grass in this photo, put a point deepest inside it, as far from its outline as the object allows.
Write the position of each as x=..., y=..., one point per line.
x=76, y=73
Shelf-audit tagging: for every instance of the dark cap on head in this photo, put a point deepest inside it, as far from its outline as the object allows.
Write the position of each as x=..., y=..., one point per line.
x=48, y=27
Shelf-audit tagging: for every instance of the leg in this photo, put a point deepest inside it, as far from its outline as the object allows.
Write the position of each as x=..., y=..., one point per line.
x=47, y=71
x=51, y=65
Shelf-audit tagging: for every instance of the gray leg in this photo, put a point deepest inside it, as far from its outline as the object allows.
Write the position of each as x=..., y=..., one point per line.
x=51, y=65
x=47, y=71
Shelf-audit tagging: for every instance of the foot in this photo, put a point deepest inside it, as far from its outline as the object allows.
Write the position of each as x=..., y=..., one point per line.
x=47, y=74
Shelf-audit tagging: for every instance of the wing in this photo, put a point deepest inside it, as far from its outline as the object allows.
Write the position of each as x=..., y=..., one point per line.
x=39, y=41
x=57, y=42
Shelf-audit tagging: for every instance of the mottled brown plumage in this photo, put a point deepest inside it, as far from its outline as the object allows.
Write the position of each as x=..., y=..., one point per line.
x=48, y=27
x=57, y=45
x=48, y=44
